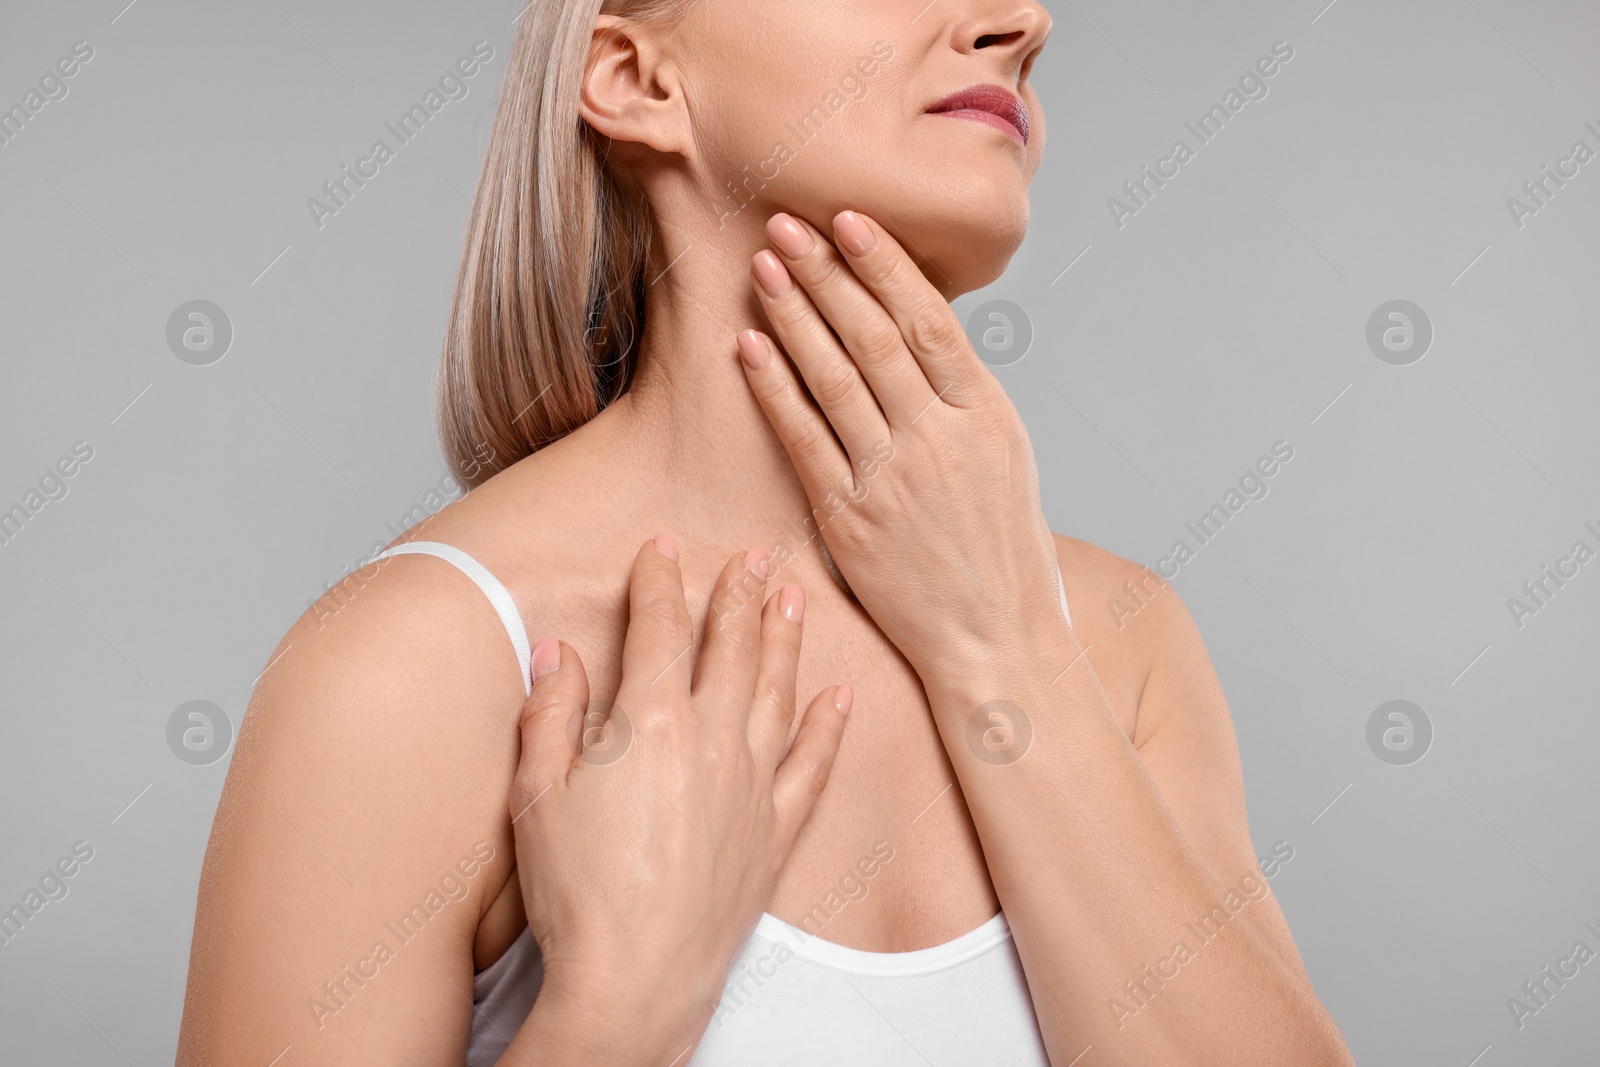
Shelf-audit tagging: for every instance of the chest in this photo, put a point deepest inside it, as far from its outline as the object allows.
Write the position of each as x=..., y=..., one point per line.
x=889, y=860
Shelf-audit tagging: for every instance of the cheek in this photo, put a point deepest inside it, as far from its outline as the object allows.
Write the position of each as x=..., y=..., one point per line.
x=822, y=132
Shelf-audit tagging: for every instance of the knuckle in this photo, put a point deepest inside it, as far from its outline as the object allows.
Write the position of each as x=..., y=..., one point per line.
x=878, y=343
x=1003, y=423
x=808, y=438
x=773, y=696
x=825, y=270
x=814, y=776
x=740, y=644
x=665, y=614
x=548, y=699
x=789, y=313
x=780, y=656
x=932, y=330
x=882, y=271
x=838, y=385
x=764, y=703
x=772, y=390
x=655, y=727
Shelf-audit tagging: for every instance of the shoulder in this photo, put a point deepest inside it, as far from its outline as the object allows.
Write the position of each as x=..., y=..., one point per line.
x=1144, y=644
x=403, y=673
x=367, y=789
x=416, y=633
x=1133, y=624
x=419, y=617
x=392, y=700
x=398, y=691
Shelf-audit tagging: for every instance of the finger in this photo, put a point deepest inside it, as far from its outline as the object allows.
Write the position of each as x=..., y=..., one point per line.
x=829, y=372
x=869, y=333
x=560, y=695
x=725, y=675
x=804, y=772
x=656, y=648
x=807, y=437
x=930, y=328
x=772, y=712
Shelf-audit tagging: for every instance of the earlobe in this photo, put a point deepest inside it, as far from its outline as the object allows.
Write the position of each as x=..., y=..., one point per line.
x=630, y=93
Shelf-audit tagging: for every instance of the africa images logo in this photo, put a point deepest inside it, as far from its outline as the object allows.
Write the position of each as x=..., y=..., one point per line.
x=1253, y=85
x=453, y=85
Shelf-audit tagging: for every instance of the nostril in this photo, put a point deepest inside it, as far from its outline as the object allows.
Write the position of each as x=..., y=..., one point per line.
x=989, y=40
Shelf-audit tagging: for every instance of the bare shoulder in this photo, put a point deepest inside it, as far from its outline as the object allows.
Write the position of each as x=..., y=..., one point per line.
x=1143, y=642
x=393, y=699
x=365, y=799
x=1134, y=625
x=408, y=655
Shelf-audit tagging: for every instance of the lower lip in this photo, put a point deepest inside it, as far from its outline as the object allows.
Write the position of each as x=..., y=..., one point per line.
x=988, y=118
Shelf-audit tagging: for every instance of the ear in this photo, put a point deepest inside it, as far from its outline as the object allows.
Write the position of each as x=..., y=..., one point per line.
x=631, y=93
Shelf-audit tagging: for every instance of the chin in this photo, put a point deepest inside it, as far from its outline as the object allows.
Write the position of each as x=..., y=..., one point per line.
x=962, y=230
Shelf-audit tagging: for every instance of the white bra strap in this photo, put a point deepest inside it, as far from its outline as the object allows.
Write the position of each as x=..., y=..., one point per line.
x=1064, y=610
x=504, y=606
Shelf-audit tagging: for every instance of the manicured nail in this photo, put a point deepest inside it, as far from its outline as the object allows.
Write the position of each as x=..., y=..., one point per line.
x=667, y=546
x=792, y=602
x=843, y=697
x=546, y=656
x=771, y=274
x=854, y=234
x=754, y=350
x=791, y=237
x=756, y=561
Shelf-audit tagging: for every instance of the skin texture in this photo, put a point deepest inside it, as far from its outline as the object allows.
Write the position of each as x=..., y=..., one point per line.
x=898, y=377
x=642, y=865
x=382, y=745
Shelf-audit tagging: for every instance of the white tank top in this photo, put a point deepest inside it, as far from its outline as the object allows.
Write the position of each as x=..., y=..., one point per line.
x=791, y=997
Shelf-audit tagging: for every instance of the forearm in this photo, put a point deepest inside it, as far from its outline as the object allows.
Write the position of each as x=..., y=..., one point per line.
x=1129, y=942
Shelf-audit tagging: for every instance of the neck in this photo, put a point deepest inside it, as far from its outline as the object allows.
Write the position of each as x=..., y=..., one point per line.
x=689, y=423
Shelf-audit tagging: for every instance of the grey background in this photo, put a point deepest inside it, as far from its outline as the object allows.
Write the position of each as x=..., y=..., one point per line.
x=1228, y=314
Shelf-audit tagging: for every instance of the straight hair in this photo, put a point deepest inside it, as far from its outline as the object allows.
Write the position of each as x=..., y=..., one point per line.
x=549, y=298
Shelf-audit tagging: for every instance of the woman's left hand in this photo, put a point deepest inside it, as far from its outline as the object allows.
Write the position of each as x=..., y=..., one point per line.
x=918, y=468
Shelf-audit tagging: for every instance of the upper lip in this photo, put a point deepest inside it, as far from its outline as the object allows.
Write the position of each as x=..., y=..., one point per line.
x=991, y=98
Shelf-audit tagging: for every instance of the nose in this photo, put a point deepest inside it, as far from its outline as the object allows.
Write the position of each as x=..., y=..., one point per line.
x=1013, y=29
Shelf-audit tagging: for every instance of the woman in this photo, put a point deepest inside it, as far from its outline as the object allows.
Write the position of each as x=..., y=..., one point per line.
x=1003, y=831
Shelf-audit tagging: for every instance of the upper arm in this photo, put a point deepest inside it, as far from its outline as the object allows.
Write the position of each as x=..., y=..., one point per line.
x=368, y=784
x=1192, y=752
x=1183, y=731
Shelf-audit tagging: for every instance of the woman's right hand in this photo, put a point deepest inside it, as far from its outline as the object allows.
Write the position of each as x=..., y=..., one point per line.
x=648, y=842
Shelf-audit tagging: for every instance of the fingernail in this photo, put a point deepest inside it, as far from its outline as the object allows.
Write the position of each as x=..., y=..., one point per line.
x=771, y=274
x=793, y=238
x=546, y=656
x=843, y=697
x=792, y=602
x=756, y=560
x=667, y=546
x=854, y=234
x=753, y=349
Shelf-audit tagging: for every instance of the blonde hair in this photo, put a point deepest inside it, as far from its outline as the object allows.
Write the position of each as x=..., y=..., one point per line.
x=549, y=297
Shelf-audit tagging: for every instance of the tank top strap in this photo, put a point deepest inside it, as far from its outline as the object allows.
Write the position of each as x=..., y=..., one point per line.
x=499, y=597
x=1063, y=585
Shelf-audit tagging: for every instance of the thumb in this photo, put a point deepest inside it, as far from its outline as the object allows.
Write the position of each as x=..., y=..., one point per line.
x=549, y=719
x=801, y=776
